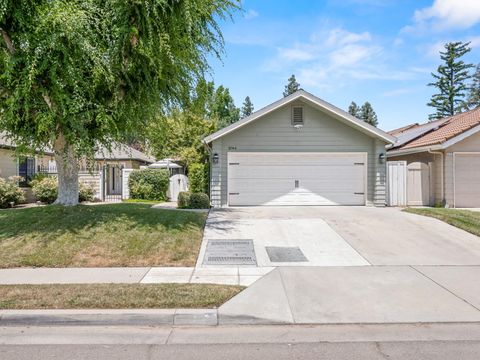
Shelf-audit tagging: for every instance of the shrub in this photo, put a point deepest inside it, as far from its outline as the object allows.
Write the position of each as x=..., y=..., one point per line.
x=196, y=178
x=183, y=201
x=149, y=184
x=45, y=190
x=10, y=192
x=86, y=192
x=199, y=201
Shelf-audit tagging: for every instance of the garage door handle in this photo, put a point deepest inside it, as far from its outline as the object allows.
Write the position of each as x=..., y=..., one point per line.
x=358, y=163
x=233, y=163
x=233, y=193
x=359, y=193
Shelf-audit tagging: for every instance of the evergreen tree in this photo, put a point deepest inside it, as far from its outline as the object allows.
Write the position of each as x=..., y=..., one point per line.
x=224, y=108
x=354, y=109
x=451, y=81
x=473, y=99
x=291, y=86
x=247, y=108
x=368, y=115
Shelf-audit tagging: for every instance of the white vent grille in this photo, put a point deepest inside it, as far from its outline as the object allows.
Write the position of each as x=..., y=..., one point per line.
x=297, y=115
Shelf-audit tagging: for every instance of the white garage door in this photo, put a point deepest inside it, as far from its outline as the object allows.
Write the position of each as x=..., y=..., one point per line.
x=264, y=178
x=467, y=180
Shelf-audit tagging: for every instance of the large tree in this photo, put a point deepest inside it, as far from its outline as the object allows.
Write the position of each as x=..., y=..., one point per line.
x=247, y=107
x=450, y=81
x=76, y=74
x=354, y=109
x=224, y=109
x=368, y=115
x=291, y=87
x=473, y=99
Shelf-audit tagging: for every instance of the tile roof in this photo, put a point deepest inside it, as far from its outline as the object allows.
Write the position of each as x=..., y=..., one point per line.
x=444, y=130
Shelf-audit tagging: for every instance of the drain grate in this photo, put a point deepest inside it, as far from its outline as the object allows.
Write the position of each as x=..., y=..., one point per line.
x=230, y=252
x=285, y=254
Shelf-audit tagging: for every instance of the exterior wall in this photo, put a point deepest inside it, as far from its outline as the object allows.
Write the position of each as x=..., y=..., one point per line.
x=470, y=144
x=93, y=180
x=8, y=164
x=321, y=133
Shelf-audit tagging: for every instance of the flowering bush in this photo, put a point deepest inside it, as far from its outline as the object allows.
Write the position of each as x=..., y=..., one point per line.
x=10, y=192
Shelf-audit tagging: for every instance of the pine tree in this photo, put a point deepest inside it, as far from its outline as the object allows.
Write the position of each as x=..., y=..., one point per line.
x=473, y=100
x=354, y=109
x=368, y=115
x=451, y=81
x=247, y=108
x=291, y=86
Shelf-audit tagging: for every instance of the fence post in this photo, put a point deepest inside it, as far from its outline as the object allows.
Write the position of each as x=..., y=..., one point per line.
x=125, y=189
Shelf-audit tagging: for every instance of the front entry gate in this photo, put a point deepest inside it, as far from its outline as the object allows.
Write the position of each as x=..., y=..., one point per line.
x=112, y=182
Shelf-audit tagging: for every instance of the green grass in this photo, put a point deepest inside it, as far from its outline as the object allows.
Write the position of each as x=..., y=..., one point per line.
x=463, y=219
x=115, y=296
x=140, y=201
x=99, y=235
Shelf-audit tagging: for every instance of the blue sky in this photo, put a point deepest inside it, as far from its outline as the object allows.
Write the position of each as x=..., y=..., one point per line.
x=381, y=51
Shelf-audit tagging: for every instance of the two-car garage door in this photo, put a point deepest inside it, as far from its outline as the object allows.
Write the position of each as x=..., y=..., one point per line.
x=278, y=178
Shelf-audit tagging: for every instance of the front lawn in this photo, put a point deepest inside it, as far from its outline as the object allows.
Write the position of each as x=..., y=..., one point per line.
x=99, y=235
x=463, y=219
x=115, y=296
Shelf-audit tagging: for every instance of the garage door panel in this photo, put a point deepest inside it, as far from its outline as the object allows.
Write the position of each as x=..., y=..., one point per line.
x=467, y=180
x=296, y=178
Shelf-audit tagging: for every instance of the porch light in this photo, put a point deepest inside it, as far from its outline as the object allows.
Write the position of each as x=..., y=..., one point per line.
x=215, y=158
x=381, y=158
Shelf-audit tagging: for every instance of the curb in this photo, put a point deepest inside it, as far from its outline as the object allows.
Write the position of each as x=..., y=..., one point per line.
x=141, y=317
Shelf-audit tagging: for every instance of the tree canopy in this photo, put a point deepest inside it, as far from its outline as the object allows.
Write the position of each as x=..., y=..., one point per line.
x=78, y=73
x=450, y=81
x=247, y=107
x=473, y=99
x=354, y=109
x=291, y=87
x=368, y=115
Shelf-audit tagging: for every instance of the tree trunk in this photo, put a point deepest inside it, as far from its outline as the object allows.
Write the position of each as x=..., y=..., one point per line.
x=67, y=170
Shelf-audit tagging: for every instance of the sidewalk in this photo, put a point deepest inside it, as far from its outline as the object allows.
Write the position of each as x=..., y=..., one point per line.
x=244, y=276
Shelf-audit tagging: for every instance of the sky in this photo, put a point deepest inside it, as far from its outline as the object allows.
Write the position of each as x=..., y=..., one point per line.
x=381, y=51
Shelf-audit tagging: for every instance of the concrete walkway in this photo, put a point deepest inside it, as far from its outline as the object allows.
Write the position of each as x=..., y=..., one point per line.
x=365, y=294
x=146, y=275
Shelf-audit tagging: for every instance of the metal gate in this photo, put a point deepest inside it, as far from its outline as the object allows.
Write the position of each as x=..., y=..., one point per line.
x=112, y=182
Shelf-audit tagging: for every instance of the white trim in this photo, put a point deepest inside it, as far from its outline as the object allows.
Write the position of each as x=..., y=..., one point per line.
x=393, y=153
x=460, y=137
x=321, y=104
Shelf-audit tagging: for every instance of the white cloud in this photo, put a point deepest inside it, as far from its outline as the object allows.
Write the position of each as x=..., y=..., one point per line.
x=295, y=54
x=250, y=14
x=446, y=14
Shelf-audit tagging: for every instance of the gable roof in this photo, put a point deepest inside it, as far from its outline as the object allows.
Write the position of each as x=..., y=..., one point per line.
x=334, y=111
x=442, y=132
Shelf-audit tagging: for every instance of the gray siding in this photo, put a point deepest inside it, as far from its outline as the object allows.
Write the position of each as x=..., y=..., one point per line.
x=321, y=133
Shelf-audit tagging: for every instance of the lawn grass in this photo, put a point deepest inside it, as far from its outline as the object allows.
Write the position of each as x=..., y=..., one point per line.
x=463, y=219
x=115, y=296
x=99, y=235
x=140, y=201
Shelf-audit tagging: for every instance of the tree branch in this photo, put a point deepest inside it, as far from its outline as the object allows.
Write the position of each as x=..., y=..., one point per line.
x=46, y=98
x=8, y=42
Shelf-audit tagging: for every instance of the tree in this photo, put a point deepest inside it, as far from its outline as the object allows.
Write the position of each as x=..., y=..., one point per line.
x=354, y=109
x=224, y=109
x=76, y=74
x=473, y=99
x=368, y=115
x=247, y=108
x=451, y=81
x=291, y=86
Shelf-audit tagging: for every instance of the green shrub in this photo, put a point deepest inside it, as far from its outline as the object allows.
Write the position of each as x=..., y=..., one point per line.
x=86, y=192
x=149, y=184
x=196, y=178
x=45, y=190
x=183, y=201
x=199, y=201
x=10, y=192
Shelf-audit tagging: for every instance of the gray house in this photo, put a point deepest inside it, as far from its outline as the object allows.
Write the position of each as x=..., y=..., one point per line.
x=299, y=150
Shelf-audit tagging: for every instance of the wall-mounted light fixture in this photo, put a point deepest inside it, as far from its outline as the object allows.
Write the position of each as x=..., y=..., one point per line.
x=298, y=126
x=381, y=158
x=215, y=158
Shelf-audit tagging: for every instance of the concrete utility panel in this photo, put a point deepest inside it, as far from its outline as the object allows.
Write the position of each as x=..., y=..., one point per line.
x=230, y=252
x=285, y=254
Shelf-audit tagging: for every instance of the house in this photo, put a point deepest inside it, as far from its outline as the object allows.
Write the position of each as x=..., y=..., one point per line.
x=443, y=160
x=300, y=150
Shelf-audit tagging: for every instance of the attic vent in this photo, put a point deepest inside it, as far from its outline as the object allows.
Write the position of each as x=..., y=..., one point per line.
x=297, y=115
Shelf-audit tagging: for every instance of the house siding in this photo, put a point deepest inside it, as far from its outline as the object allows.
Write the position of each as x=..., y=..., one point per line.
x=321, y=133
x=8, y=164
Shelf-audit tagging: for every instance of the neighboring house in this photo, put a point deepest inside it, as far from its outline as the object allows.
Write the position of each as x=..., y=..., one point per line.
x=299, y=150
x=120, y=156
x=443, y=158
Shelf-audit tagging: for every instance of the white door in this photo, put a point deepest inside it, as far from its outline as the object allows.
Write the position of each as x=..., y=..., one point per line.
x=418, y=184
x=397, y=183
x=268, y=178
x=467, y=180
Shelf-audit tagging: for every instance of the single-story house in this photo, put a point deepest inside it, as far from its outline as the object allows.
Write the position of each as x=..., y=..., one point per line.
x=444, y=158
x=300, y=150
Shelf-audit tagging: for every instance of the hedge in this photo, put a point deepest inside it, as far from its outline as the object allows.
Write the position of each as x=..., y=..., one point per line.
x=149, y=184
x=10, y=192
x=45, y=190
x=188, y=200
x=196, y=178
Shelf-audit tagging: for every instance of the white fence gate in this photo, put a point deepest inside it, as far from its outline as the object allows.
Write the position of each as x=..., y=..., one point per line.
x=397, y=183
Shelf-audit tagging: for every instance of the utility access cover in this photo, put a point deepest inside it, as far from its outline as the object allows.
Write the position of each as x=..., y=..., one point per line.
x=285, y=254
x=230, y=252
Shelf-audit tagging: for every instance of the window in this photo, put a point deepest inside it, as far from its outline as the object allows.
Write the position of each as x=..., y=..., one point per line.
x=26, y=169
x=297, y=115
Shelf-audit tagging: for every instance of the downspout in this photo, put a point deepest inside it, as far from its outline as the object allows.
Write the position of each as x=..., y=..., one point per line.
x=442, y=171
